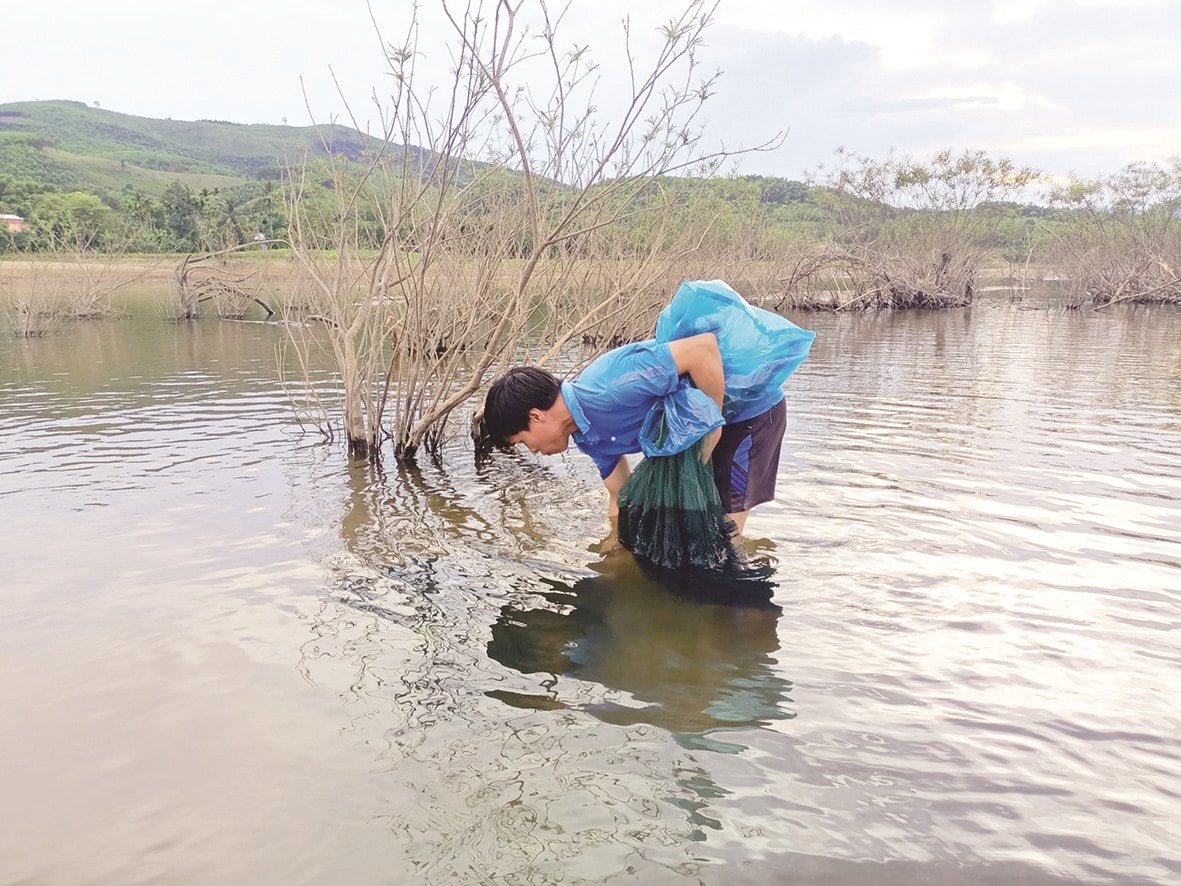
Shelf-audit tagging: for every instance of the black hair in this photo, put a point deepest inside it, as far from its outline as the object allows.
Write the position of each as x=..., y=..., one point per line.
x=506, y=408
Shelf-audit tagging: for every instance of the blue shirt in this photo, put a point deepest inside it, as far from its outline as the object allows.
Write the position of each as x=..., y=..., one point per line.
x=610, y=399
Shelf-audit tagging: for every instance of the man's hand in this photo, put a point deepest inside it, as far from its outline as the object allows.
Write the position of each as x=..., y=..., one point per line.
x=709, y=441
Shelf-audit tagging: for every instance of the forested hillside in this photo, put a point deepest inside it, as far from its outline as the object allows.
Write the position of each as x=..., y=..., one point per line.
x=71, y=136
x=163, y=180
x=101, y=179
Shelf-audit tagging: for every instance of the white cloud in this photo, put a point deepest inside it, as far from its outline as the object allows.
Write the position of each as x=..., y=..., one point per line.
x=1004, y=96
x=1147, y=144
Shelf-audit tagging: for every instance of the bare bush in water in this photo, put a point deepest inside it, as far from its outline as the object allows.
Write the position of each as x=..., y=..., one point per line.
x=1121, y=240
x=496, y=240
x=232, y=288
x=38, y=305
x=67, y=280
x=913, y=232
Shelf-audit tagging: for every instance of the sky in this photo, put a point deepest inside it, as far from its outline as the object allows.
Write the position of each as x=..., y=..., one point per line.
x=1069, y=87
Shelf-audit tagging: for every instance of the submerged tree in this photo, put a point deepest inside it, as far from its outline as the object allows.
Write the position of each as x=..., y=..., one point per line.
x=484, y=226
x=914, y=232
x=1121, y=240
x=76, y=268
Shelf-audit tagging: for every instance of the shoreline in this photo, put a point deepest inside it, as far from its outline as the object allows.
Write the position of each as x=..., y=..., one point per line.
x=33, y=277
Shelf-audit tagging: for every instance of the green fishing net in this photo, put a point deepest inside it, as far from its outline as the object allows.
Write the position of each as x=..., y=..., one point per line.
x=670, y=515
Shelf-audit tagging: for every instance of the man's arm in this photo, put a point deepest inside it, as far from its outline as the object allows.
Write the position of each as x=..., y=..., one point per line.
x=614, y=482
x=699, y=357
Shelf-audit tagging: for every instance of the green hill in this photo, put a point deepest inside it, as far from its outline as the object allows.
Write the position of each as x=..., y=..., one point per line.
x=69, y=145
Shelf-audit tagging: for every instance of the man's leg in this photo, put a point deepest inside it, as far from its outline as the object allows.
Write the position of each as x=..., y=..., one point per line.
x=746, y=462
x=739, y=521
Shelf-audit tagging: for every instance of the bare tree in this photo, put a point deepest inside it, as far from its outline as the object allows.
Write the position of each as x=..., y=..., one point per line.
x=914, y=231
x=68, y=279
x=232, y=288
x=496, y=239
x=1121, y=240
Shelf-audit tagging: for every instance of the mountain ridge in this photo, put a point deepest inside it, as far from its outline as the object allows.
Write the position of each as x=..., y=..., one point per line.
x=71, y=145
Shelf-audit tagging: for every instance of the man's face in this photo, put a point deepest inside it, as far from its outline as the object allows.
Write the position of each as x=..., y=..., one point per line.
x=544, y=434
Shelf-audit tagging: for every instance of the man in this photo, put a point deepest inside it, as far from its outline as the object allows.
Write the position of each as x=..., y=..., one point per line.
x=604, y=407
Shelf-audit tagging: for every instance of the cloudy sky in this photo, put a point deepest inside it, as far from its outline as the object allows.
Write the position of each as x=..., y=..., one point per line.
x=1078, y=87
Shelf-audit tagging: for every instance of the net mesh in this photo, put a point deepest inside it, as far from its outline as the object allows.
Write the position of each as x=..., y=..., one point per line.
x=670, y=515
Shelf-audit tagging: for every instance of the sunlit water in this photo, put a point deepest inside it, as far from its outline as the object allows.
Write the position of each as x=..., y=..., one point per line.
x=228, y=656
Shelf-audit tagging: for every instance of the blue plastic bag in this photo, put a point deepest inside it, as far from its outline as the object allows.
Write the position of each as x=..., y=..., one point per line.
x=679, y=420
x=759, y=349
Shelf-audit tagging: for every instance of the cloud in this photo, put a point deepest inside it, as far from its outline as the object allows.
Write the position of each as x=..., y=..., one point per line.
x=813, y=89
x=1006, y=96
x=1059, y=84
x=1088, y=85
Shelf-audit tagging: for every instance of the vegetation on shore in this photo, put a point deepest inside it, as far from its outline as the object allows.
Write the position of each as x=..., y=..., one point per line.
x=864, y=233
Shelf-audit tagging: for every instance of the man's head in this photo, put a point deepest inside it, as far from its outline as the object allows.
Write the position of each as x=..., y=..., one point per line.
x=520, y=408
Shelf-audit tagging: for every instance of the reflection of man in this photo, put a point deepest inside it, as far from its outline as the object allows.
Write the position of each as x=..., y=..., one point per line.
x=604, y=408
x=686, y=666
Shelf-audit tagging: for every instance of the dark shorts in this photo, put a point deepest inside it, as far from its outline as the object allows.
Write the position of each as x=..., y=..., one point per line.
x=746, y=459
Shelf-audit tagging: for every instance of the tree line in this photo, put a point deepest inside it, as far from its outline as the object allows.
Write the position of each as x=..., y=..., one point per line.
x=178, y=221
x=835, y=220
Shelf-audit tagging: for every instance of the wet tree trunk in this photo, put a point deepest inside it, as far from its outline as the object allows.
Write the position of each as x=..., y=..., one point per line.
x=362, y=443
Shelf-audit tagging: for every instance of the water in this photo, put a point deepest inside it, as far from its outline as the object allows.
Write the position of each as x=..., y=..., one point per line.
x=226, y=655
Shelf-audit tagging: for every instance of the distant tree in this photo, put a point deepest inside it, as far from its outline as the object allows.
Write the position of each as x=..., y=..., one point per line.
x=19, y=193
x=781, y=190
x=181, y=211
x=76, y=220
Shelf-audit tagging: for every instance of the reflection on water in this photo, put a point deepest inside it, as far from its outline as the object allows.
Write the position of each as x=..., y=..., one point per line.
x=229, y=655
x=689, y=667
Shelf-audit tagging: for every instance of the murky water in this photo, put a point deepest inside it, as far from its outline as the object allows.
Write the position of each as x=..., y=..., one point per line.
x=228, y=656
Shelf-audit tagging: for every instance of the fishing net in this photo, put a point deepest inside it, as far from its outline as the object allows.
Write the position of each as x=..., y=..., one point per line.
x=670, y=515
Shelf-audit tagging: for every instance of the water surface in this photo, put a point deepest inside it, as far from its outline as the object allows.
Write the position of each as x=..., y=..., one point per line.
x=227, y=655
